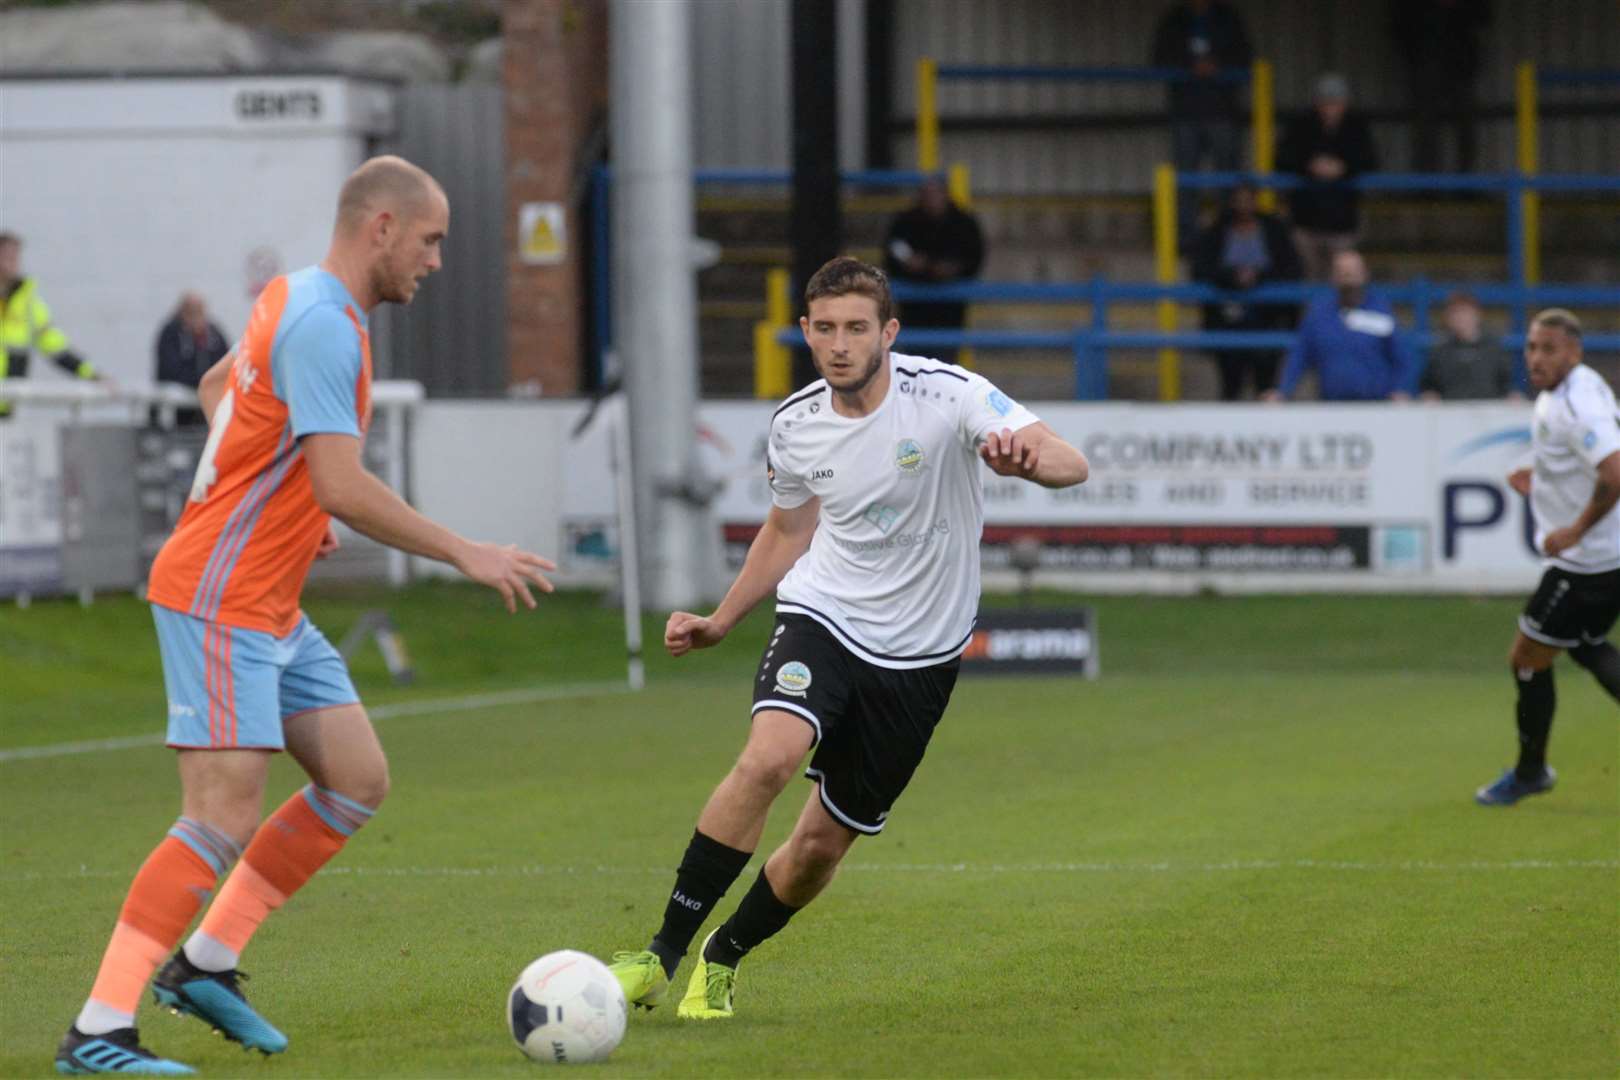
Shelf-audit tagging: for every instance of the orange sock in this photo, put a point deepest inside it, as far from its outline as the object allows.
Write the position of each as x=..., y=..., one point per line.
x=298, y=839
x=165, y=896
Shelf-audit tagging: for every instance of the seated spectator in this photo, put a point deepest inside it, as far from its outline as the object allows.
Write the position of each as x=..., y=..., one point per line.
x=1466, y=366
x=1327, y=147
x=1349, y=338
x=1245, y=248
x=933, y=243
x=189, y=343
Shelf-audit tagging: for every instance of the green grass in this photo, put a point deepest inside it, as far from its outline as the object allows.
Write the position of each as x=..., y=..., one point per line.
x=1248, y=850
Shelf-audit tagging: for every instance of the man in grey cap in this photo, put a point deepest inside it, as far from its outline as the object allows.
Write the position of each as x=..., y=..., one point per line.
x=1327, y=147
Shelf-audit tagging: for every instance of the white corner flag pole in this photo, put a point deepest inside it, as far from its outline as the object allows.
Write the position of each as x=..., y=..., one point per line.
x=629, y=557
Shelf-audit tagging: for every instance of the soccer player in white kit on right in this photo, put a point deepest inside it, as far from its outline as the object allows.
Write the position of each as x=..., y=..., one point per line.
x=1573, y=488
x=872, y=549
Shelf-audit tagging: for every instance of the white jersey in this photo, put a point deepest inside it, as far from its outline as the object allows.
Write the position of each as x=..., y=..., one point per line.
x=893, y=569
x=1577, y=425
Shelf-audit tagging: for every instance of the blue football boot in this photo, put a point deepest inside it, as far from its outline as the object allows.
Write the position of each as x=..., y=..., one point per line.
x=117, y=1051
x=215, y=998
x=1509, y=789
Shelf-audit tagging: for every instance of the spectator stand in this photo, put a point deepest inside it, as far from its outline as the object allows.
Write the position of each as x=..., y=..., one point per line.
x=1528, y=82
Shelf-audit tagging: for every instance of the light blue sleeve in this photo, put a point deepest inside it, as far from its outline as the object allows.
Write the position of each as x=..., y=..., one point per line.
x=315, y=367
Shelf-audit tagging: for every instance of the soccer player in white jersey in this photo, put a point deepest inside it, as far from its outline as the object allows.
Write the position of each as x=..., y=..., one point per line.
x=1573, y=488
x=872, y=549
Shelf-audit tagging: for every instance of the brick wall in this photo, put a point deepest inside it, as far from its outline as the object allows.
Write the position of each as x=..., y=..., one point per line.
x=555, y=78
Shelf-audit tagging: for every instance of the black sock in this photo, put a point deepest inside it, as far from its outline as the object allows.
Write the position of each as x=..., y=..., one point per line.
x=1603, y=661
x=706, y=872
x=1536, y=703
x=759, y=916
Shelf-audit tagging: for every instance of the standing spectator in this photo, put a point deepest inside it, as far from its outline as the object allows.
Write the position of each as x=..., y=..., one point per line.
x=1466, y=366
x=1245, y=248
x=1204, y=39
x=189, y=343
x=1350, y=338
x=1439, y=41
x=934, y=243
x=187, y=346
x=26, y=324
x=1327, y=147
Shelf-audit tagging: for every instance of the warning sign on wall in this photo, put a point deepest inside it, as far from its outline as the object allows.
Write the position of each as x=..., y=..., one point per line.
x=542, y=233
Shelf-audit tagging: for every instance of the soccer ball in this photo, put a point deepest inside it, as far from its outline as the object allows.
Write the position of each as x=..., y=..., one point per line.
x=566, y=1007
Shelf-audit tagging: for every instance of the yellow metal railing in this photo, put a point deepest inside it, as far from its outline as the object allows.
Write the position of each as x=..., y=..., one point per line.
x=927, y=115
x=773, y=363
x=1164, y=272
x=1528, y=129
x=1263, y=103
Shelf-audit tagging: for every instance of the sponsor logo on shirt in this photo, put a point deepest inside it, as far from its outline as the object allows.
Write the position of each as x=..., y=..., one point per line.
x=999, y=402
x=793, y=678
x=908, y=455
x=900, y=541
x=882, y=517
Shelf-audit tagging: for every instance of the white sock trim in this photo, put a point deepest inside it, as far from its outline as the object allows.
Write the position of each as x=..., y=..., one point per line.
x=98, y=1019
x=207, y=953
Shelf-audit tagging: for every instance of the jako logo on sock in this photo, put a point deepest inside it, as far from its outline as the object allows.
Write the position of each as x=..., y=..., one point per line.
x=687, y=902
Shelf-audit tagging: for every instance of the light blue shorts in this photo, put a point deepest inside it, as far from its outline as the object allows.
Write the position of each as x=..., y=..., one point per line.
x=232, y=688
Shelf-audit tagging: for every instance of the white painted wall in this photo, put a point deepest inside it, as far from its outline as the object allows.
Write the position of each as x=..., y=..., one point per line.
x=128, y=192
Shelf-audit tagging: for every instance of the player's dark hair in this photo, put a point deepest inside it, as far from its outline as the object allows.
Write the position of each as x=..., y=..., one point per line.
x=8, y=237
x=846, y=276
x=1562, y=318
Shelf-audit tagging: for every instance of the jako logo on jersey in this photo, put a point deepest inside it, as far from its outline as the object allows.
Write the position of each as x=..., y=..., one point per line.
x=821, y=474
x=1000, y=402
x=908, y=456
x=177, y=709
x=793, y=678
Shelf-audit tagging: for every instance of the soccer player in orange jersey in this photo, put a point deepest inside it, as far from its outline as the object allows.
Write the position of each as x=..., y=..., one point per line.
x=247, y=674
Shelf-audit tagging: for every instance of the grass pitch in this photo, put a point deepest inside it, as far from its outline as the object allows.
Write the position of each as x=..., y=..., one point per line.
x=1249, y=850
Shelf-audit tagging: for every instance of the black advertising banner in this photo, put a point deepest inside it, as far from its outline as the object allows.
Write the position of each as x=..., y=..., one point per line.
x=1028, y=641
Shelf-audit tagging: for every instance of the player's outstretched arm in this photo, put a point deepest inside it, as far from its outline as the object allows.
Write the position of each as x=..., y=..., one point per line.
x=1035, y=453
x=345, y=490
x=784, y=537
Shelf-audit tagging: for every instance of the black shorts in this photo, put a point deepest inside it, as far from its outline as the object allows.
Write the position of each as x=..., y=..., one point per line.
x=1570, y=609
x=872, y=723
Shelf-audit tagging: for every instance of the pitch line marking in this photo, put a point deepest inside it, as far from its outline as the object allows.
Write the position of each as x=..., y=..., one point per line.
x=465, y=703
x=1163, y=867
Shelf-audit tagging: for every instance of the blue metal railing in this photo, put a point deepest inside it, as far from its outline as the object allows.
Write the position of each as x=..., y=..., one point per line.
x=1109, y=73
x=601, y=269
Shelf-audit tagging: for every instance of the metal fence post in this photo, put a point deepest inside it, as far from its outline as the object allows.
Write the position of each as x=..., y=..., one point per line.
x=1263, y=108
x=1529, y=139
x=1164, y=268
x=927, y=115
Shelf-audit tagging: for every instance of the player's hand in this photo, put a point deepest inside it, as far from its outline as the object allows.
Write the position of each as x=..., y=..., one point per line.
x=1008, y=454
x=1560, y=540
x=685, y=632
x=1519, y=480
x=506, y=569
x=329, y=543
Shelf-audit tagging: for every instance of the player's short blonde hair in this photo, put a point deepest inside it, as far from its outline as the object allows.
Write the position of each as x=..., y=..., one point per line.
x=847, y=275
x=384, y=183
x=1562, y=318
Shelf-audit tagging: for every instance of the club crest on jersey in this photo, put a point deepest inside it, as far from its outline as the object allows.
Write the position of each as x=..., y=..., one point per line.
x=793, y=678
x=999, y=402
x=908, y=456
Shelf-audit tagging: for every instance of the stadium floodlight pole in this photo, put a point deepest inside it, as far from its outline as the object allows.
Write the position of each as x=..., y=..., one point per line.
x=655, y=295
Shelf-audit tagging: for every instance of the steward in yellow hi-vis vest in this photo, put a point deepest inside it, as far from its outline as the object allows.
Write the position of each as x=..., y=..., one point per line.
x=25, y=323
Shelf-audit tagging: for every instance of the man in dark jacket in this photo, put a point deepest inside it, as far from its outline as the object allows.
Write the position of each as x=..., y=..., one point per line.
x=187, y=346
x=1439, y=41
x=1205, y=40
x=1467, y=365
x=1245, y=248
x=934, y=243
x=1327, y=147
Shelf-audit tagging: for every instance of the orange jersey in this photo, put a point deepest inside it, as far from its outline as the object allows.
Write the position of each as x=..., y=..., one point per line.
x=244, y=545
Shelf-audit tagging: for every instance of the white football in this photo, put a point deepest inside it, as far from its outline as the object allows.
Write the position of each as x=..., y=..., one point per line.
x=566, y=1007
